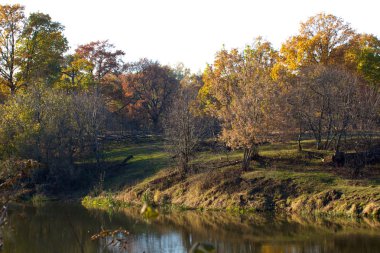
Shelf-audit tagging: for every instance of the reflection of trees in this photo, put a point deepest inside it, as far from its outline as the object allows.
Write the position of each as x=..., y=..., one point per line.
x=46, y=229
x=260, y=233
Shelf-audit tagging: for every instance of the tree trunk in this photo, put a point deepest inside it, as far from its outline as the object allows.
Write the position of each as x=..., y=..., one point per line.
x=299, y=140
x=319, y=143
x=247, y=157
x=184, y=163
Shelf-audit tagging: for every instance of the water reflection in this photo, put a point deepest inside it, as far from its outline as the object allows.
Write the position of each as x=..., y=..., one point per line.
x=61, y=228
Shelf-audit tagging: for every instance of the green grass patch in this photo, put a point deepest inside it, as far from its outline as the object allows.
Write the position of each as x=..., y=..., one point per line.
x=39, y=199
x=148, y=159
x=106, y=202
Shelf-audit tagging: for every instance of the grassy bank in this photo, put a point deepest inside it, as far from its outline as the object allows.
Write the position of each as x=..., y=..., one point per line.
x=283, y=180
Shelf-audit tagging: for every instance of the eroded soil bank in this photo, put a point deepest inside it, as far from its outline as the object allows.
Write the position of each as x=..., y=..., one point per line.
x=260, y=190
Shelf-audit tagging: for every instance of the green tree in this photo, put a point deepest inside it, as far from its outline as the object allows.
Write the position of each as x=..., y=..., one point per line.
x=364, y=57
x=42, y=47
x=76, y=73
x=30, y=49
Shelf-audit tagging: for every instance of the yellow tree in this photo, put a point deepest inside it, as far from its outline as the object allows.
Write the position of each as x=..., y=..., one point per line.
x=322, y=39
x=239, y=92
x=11, y=27
x=76, y=73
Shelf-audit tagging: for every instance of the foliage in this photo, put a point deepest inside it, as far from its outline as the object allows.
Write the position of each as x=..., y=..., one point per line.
x=42, y=47
x=51, y=127
x=238, y=91
x=149, y=87
x=32, y=48
x=328, y=40
x=104, y=61
x=364, y=56
x=76, y=74
x=322, y=39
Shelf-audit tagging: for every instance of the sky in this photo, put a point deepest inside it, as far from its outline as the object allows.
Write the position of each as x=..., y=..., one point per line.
x=192, y=31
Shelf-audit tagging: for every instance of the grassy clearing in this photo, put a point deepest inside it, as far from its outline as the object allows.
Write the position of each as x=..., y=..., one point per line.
x=285, y=179
x=148, y=159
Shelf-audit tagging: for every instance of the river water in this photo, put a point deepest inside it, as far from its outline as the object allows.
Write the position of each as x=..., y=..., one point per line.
x=62, y=227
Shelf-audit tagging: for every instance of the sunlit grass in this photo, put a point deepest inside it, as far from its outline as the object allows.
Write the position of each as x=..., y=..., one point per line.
x=148, y=158
x=286, y=162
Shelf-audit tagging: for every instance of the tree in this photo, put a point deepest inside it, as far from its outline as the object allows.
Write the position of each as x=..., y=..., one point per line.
x=76, y=73
x=42, y=47
x=239, y=92
x=89, y=114
x=325, y=100
x=52, y=127
x=322, y=39
x=363, y=56
x=149, y=87
x=102, y=57
x=31, y=49
x=183, y=128
x=11, y=27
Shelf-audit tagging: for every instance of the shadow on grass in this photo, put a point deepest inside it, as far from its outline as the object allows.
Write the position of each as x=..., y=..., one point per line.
x=148, y=159
x=133, y=172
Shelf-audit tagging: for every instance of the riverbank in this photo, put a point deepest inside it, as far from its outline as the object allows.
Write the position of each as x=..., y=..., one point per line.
x=283, y=180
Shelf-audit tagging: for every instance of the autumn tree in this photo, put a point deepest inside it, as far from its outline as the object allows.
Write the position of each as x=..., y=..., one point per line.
x=322, y=39
x=31, y=48
x=238, y=91
x=104, y=59
x=76, y=73
x=11, y=28
x=149, y=87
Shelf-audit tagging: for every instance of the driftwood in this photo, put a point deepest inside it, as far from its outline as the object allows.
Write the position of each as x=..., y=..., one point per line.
x=123, y=163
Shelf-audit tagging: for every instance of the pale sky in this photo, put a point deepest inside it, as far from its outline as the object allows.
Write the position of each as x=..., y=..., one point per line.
x=192, y=31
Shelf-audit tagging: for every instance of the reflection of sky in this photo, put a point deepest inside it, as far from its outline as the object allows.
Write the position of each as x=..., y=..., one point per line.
x=168, y=243
x=173, y=243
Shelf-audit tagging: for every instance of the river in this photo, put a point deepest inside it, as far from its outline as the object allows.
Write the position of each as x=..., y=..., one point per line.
x=67, y=227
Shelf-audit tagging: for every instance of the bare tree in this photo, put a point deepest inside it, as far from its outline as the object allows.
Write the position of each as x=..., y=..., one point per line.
x=89, y=112
x=183, y=128
x=323, y=99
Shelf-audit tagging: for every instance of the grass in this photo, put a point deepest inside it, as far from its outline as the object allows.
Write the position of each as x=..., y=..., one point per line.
x=39, y=199
x=148, y=159
x=104, y=202
x=308, y=172
x=284, y=161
